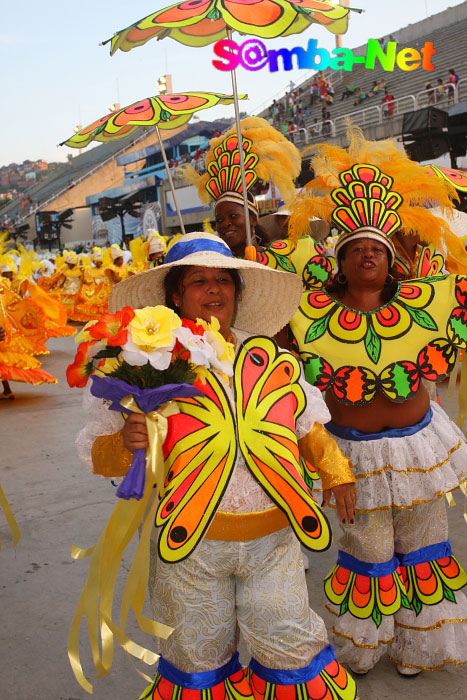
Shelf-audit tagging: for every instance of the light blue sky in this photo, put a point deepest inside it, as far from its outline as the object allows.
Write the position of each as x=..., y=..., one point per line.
x=55, y=75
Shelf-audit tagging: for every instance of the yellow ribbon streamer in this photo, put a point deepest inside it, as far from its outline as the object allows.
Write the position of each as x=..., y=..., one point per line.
x=96, y=600
x=10, y=516
x=463, y=394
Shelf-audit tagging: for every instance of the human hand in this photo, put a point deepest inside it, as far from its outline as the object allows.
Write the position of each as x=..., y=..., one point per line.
x=346, y=498
x=135, y=432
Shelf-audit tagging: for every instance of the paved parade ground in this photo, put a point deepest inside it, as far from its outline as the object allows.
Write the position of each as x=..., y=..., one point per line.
x=58, y=504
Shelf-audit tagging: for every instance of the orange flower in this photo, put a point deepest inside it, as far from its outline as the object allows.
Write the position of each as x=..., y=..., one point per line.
x=113, y=327
x=78, y=373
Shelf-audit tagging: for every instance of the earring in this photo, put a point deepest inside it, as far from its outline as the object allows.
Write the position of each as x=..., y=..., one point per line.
x=389, y=279
x=341, y=278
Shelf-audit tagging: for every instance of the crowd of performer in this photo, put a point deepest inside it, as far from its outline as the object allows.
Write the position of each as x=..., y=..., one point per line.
x=383, y=311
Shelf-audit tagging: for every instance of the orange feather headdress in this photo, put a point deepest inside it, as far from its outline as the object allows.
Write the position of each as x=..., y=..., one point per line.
x=268, y=155
x=374, y=186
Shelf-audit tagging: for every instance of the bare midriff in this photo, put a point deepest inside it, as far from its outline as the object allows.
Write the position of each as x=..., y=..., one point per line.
x=381, y=413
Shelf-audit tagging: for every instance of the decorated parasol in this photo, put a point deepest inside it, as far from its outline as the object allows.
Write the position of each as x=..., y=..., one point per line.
x=161, y=112
x=203, y=22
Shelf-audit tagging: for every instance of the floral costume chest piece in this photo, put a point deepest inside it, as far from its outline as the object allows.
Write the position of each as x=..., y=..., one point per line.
x=356, y=354
x=204, y=438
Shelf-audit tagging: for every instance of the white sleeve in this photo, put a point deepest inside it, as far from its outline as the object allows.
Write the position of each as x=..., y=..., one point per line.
x=99, y=421
x=316, y=410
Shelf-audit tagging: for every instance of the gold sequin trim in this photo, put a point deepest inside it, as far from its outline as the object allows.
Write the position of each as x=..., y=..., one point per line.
x=412, y=469
x=438, y=494
x=428, y=668
x=243, y=527
x=432, y=627
x=362, y=646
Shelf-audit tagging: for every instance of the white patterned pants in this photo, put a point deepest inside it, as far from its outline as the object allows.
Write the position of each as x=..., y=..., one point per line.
x=222, y=588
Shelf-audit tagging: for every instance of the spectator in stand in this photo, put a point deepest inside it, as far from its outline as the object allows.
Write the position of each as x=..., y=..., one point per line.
x=388, y=105
x=430, y=93
x=291, y=131
x=360, y=96
x=440, y=91
x=382, y=85
x=453, y=79
x=348, y=92
x=301, y=121
x=392, y=38
x=324, y=92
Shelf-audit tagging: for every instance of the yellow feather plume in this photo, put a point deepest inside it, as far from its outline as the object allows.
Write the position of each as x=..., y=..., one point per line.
x=279, y=160
x=419, y=187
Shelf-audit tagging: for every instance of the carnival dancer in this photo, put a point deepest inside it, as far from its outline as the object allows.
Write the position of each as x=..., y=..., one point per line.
x=92, y=300
x=17, y=363
x=369, y=341
x=66, y=282
x=118, y=271
x=242, y=568
x=272, y=158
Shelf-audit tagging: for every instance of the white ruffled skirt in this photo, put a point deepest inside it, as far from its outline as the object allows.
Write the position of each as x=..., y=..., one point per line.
x=401, y=482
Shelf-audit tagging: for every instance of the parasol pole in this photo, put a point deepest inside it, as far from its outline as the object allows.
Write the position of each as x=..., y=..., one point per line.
x=171, y=183
x=249, y=254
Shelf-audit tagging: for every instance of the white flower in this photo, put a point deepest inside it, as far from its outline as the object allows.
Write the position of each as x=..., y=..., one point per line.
x=202, y=353
x=159, y=358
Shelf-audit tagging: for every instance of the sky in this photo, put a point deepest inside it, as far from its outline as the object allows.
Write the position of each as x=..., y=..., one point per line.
x=55, y=75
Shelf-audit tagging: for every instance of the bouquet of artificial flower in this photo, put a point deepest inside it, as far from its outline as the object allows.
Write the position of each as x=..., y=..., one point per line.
x=140, y=360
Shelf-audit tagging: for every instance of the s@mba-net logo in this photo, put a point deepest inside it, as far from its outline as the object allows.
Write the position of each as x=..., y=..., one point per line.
x=254, y=55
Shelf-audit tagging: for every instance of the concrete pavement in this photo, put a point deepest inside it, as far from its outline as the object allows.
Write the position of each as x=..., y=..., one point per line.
x=58, y=504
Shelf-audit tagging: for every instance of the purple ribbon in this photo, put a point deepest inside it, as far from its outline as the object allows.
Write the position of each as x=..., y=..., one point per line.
x=148, y=400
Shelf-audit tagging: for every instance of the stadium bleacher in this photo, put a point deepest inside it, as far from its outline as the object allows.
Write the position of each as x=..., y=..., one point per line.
x=447, y=30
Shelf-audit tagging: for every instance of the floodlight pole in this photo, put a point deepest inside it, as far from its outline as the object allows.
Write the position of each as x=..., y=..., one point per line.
x=240, y=150
x=169, y=175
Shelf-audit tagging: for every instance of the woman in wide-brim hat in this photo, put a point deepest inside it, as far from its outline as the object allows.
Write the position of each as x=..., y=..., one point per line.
x=226, y=548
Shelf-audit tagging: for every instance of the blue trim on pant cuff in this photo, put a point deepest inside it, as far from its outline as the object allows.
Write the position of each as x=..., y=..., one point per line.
x=201, y=680
x=429, y=553
x=367, y=568
x=300, y=675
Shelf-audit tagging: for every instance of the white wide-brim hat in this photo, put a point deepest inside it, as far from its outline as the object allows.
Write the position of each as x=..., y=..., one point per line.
x=268, y=302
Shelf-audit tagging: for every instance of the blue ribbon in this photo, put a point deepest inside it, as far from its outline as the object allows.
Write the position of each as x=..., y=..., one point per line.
x=201, y=680
x=367, y=568
x=183, y=248
x=429, y=553
x=300, y=675
x=358, y=435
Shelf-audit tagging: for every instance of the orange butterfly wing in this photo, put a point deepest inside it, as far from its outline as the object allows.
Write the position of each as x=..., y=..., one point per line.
x=200, y=453
x=269, y=401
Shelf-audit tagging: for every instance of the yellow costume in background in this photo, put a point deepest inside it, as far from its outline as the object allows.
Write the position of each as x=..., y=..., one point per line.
x=66, y=282
x=117, y=273
x=93, y=296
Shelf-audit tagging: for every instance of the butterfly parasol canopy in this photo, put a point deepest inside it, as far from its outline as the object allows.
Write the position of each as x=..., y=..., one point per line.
x=164, y=111
x=203, y=22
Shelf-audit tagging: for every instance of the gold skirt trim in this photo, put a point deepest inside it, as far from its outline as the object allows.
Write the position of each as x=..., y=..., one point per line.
x=243, y=527
x=428, y=668
x=438, y=625
x=393, y=506
x=362, y=646
x=410, y=470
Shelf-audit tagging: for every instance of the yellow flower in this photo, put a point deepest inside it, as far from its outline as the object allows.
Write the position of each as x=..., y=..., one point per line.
x=153, y=327
x=110, y=364
x=200, y=371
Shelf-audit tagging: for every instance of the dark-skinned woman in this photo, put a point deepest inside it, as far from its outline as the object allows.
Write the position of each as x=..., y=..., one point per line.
x=242, y=568
x=368, y=342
